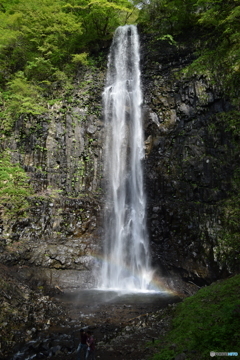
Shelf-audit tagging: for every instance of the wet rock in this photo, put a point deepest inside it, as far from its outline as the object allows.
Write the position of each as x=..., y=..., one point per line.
x=180, y=357
x=185, y=164
x=91, y=129
x=26, y=312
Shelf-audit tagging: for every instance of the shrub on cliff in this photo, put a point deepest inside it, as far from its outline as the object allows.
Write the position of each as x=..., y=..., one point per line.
x=14, y=187
x=217, y=35
x=23, y=97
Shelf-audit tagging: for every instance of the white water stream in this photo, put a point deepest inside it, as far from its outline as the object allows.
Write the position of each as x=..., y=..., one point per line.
x=126, y=264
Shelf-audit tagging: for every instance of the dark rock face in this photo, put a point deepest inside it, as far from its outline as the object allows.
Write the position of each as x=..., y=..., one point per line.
x=188, y=171
x=62, y=151
x=188, y=165
x=62, y=154
x=24, y=312
x=56, y=236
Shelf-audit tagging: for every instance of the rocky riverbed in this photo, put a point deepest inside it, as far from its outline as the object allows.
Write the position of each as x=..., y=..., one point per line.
x=39, y=323
x=122, y=324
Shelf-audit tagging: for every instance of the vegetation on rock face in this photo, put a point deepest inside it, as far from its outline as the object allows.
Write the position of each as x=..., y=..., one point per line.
x=42, y=41
x=43, y=44
x=229, y=239
x=216, y=24
x=215, y=27
x=40, y=37
x=14, y=187
x=22, y=98
x=207, y=321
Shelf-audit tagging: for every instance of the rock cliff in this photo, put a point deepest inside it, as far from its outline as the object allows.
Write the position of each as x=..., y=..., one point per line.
x=191, y=158
x=62, y=154
x=189, y=166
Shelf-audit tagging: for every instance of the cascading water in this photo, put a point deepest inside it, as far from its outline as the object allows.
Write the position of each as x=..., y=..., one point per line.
x=126, y=265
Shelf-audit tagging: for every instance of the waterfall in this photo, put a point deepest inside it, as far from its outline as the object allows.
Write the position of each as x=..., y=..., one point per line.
x=126, y=264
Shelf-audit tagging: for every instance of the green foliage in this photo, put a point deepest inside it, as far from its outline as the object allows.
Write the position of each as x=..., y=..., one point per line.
x=39, y=69
x=217, y=23
x=44, y=42
x=167, y=17
x=100, y=18
x=14, y=187
x=207, y=321
x=41, y=29
x=168, y=38
x=228, y=249
x=231, y=120
x=221, y=51
x=39, y=36
x=81, y=59
x=22, y=97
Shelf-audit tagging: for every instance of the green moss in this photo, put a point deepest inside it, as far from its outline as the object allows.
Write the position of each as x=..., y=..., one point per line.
x=207, y=321
x=228, y=250
x=14, y=187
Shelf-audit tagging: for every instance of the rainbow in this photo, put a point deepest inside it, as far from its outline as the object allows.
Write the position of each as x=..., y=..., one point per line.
x=156, y=283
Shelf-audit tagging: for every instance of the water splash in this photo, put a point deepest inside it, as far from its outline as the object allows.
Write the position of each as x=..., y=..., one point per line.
x=126, y=249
